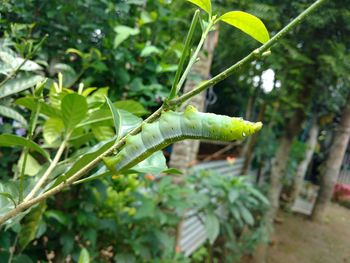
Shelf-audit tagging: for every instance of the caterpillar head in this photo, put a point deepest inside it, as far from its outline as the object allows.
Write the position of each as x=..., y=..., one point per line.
x=239, y=129
x=250, y=128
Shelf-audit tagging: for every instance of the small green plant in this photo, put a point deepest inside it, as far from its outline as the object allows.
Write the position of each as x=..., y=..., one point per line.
x=234, y=211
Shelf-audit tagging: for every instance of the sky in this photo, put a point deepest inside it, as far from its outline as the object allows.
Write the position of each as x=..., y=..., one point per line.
x=268, y=79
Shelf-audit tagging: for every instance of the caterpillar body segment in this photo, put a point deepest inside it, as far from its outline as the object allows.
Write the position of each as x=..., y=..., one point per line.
x=171, y=125
x=176, y=126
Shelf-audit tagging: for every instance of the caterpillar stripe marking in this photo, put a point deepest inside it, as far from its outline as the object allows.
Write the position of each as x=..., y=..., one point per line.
x=176, y=126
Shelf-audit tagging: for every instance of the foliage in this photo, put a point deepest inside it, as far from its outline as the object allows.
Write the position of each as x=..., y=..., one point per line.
x=143, y=214
x=66, y=124
x=313, y=58
x=238, y=220
x=63, y=118
x=130, y=52
x=130, y=37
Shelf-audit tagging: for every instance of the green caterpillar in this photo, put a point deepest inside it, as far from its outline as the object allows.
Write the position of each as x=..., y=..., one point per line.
x=176, y=126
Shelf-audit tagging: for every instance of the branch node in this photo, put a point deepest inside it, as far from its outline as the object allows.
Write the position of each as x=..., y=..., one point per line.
x=266, y=53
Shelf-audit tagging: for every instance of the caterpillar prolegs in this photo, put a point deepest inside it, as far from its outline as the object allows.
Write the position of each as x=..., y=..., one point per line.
x=176, y=126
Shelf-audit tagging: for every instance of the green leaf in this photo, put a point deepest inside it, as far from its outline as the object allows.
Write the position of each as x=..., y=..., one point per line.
x=146, y=209
x=10, y=140
x=68, y=72
x=104, y=117
x=60, y=216
x=204, y=4
x=100, y=173
x=146, y=18
x=52, y=130
x=13, y=61
x=233, y=195
x=185, y=53
x=88, y=91
x=246, y=215
x=99, y=117
x=19, y=84
x=31, y=103
x=60, y=169
x=116, y=117
x=166, y=239
x=8, y=196
x=123, y=33
x=12, y=114
x=29, y=65
x=67, y=242
x=212, y=227
x=22, y=259
x=149, y=50
x=128, y=122
x=172, y=171
x=236, y=214
x=155, y=164
x=74, y=108
x=131, y=106
x=75, y=51
x=86, y=158
x=80, y=140
x=8, y=190
x=102, y=133
x=84, y=256
x=38, y=92
x=32, y=166
x=30, y=225
x=259, y=195
x=163, y=67
x=98, y=97
x=248, y=23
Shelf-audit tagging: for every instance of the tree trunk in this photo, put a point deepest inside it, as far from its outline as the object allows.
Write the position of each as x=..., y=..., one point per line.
x=279, y=166
x=304, y=164
x=250, y=106
x=277, y=172
x=282, y=155
x=333, y=164
x=276, y=175
x=248, y=116
x=184, y=153
x=281, y=160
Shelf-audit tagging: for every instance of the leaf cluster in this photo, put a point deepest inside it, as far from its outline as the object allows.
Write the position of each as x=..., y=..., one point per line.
x=135, y=217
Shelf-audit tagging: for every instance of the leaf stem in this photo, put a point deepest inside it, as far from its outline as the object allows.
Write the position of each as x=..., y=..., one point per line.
x=21, y=176
x=258, y=53
x=194, y=56
x=184, y=54
x=47, y=173
x=32, y=123
x=13, y=249
x=26, y=204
